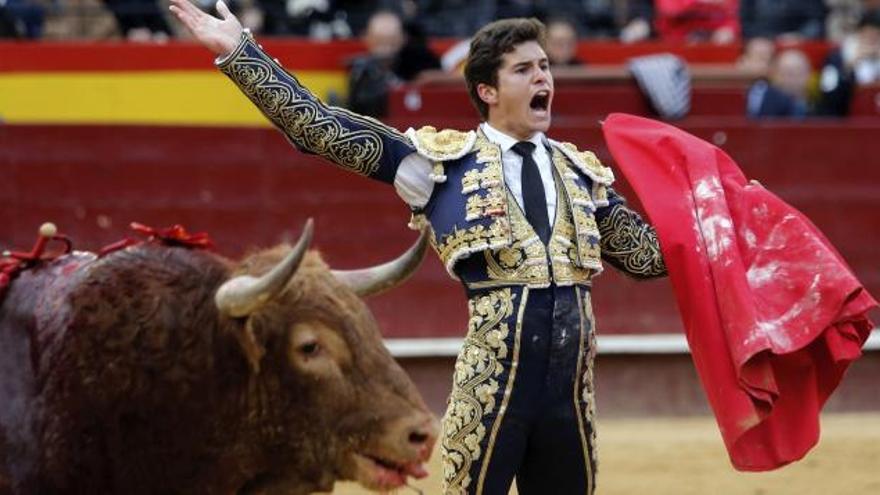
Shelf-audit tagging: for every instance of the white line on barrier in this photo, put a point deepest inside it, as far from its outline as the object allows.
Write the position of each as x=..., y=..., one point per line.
x=665, y=343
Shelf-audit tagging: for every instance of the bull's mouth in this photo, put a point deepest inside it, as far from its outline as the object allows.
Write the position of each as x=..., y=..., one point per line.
x=378, y=473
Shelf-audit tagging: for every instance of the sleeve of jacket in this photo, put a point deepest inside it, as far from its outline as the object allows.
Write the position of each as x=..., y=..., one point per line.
x=627, y=242
x=354, y=142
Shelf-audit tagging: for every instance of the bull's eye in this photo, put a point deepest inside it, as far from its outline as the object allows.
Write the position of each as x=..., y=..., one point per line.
x=310, y=349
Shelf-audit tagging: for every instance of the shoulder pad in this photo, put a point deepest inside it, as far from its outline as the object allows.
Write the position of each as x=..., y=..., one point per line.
x=441, y=146
x=587, y=162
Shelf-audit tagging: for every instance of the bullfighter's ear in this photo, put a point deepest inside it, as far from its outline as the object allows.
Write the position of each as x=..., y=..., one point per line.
x=252, y=349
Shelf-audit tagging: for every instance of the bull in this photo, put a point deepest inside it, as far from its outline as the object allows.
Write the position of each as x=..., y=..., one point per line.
x=158, y=369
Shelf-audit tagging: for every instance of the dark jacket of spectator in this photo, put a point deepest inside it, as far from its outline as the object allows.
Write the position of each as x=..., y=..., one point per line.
x=415, y=57
x=836, y=84
x=369, y=81
x=8, y=28
x=21, y=18
x=455, y=18
x=139, y=14
x=771, y=18
x=850, y=65
x=395, y=57
x=765, y=100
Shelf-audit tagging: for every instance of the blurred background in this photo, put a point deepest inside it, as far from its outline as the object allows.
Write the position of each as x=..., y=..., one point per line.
x=109, y=114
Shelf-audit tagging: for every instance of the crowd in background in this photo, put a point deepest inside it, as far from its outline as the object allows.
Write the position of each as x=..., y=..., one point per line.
x=396, y=33
x=719, y=21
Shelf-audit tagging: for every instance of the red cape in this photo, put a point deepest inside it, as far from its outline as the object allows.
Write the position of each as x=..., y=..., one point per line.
x=773, y=314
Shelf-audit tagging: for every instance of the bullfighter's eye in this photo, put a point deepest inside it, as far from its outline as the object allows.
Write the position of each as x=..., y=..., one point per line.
x=310, y=349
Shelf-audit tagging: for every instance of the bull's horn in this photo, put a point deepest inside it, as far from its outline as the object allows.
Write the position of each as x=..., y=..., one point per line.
x=369, y=281
x=242, y=295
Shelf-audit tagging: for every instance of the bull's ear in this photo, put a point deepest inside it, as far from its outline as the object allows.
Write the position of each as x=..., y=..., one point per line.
x=252, y=349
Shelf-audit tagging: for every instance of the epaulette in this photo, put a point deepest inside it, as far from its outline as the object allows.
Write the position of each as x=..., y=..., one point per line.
x=587, y=162
x=441, y=146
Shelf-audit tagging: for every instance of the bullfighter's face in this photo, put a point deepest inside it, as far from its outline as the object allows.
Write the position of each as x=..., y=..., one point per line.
x=520, y=104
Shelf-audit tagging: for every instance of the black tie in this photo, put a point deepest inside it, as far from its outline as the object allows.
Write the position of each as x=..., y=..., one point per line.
x=534, y=198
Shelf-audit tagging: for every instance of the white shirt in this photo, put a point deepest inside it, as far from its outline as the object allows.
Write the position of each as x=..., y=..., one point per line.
x=414, y=185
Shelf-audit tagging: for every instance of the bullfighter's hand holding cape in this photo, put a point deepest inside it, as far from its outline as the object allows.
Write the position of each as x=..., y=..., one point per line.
x=773, y=314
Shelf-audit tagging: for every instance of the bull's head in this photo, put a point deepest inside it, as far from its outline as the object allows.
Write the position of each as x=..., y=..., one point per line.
x=326, y=393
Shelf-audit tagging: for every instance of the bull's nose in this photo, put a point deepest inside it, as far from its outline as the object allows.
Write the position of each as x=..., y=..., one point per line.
x=423, y=435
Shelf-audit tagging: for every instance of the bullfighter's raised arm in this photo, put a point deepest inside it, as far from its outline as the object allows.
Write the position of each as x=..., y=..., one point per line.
x=354, y=142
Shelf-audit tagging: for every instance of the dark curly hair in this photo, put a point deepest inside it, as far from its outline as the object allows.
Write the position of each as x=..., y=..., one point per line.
x=489, y=45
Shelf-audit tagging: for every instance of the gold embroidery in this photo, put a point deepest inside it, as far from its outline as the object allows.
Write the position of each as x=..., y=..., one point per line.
x=524, y=261
x=441, y=146
x=567, y=269
x=589, y=165
x=438, y=173
x=487, y=178
x=304, y=119
x=474, y=239
x=493, y=204
x=508, y=390
x=593, y=167
x=476, y=383
x=513, y=252
x=585, y=402
x=630, y=244
x=586, y=232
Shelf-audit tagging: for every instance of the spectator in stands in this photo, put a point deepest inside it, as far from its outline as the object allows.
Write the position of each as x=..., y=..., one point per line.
x=357, y=13
x=416, y=56
x=393, y=57
x=593, y=18
x=757, y=56
x=639, y=15
x=8, y=25
x=562, y=43
x=856, y=62
x=21, y=18
x=844, y=15
x=316, y=19
x=697, y=20
x=518, y=8
x=784, y=93
x=80, y=19
x=140, y=20
x=793, y=20
x=455, y=18
x=684, y=20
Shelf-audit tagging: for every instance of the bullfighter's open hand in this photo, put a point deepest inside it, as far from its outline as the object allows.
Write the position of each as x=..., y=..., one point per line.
x=220, y=36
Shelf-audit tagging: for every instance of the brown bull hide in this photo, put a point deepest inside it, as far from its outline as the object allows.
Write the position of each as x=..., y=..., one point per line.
x=119, y=375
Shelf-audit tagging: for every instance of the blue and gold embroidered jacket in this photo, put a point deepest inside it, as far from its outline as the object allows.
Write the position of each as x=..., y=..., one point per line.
x=479, y=232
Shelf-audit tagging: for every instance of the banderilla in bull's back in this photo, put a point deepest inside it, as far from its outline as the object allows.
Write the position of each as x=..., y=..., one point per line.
x=159, y=366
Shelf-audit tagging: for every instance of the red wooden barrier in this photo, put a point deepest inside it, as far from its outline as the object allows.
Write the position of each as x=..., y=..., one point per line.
x=247, y=187
x=302, y=54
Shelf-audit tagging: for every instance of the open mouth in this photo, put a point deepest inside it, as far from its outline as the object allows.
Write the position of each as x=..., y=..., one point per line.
x=540, y=101
x=383, y=474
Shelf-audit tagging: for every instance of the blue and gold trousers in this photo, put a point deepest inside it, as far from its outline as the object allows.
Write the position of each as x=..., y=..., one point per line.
x=522, y=402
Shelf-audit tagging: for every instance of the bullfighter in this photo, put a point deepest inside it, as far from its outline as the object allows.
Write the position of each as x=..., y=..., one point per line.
x=521, y=220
